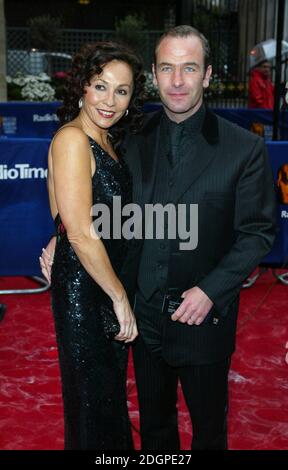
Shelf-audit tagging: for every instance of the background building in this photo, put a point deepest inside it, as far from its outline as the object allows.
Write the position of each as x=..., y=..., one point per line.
x=233, y=27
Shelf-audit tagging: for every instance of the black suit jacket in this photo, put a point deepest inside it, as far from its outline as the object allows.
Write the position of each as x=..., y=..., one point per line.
x=230, y=178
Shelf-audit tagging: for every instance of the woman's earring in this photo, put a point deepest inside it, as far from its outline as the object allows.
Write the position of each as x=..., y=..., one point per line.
x=126, y=112
x=80, y=103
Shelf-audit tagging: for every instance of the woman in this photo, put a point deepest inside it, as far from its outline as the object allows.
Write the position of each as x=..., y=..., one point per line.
x=105, y=85
x=261, y=88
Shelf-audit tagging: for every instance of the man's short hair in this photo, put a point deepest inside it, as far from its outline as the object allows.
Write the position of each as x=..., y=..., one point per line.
x=183, y=31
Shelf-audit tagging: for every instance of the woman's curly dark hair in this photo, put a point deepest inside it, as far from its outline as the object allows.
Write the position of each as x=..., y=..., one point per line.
x=88, y=62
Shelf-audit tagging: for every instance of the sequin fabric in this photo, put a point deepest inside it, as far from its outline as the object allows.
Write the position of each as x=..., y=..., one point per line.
x=93, y=368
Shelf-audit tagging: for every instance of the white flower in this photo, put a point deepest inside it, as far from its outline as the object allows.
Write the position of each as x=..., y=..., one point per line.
x=34, y=87
x=38, y=91
x=19, y=81
x=43, y=77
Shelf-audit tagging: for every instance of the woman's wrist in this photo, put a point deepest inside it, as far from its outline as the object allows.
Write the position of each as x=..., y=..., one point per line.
x=119, y=294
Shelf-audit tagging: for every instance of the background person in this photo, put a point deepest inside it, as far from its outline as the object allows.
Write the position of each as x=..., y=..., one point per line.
x=260, y=87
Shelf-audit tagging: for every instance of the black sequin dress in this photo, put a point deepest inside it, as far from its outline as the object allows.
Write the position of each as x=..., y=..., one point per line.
x=93, y=368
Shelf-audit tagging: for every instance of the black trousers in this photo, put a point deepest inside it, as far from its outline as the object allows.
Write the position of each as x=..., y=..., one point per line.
x=205, y=389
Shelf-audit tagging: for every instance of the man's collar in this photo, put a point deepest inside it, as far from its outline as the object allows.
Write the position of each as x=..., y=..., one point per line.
x=209, y=129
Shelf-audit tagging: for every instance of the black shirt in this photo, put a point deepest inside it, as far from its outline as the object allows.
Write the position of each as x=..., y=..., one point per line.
x=173, y=148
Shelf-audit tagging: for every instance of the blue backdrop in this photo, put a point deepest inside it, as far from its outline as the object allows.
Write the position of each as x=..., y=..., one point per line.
x=25, y=219
x=278, y=153
x=24, y=119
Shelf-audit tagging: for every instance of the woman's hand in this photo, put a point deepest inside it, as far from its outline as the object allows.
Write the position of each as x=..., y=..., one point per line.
x=46, y=259
x=127, y=321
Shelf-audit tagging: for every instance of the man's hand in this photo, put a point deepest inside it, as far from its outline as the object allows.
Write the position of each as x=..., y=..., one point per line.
x=194, y=308
x=46, y=259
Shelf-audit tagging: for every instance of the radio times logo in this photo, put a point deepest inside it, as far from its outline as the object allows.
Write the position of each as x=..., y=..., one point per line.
x=22, y=171
x=45, y=117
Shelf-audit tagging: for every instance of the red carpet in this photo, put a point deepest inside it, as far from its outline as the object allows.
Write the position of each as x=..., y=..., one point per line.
x=30, y=393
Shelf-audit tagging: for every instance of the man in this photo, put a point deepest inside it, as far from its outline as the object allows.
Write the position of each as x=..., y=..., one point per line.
x=187, y=155
x=261, y=88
